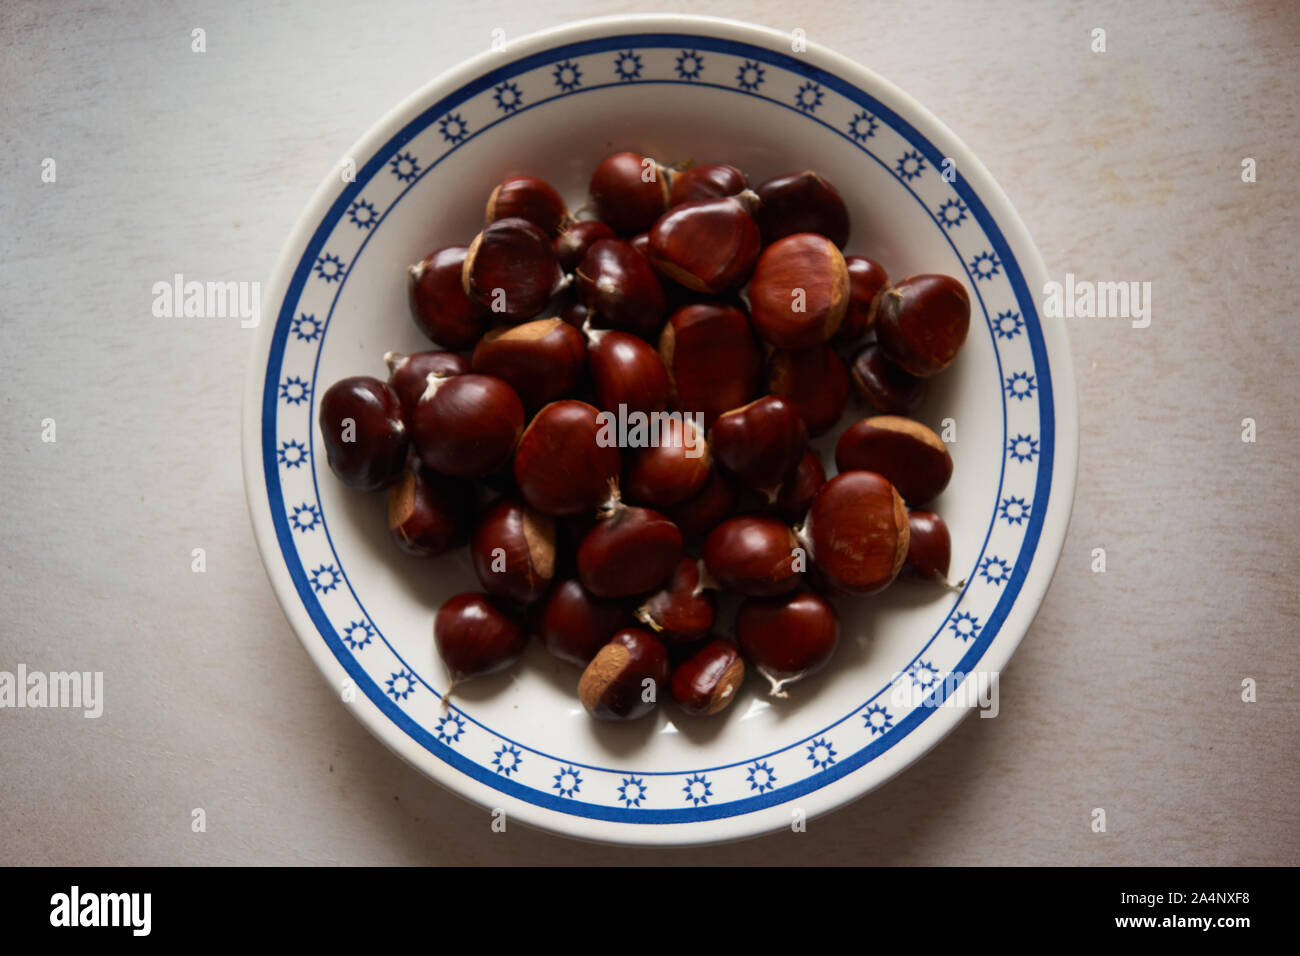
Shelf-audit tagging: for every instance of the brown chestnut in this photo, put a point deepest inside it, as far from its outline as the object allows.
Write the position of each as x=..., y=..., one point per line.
x=787, y=638
x=626, y=371
x=439, y=305
x=477, y=635
x=707, y=245
x=575, y=625
x=929, y=548
x=867, y=280
x=911, y=456
x=857, y=532
x=713, y=362
x=802, y=202
x=800, y=487
x=530, y=198
x=630, y=550
x=466, y=425
x=708, y=681
x=754, y=555
x=814, y=380
x=799, y=292
x=428, y=513
x=683, y=610
x=542, y=360
x=710, y=181
x=562, y=466
x=922, y=323
x=513, y=551
x=511, y=269
x=672, y=469
x=364, y=432
x=621, y=289
x=625, y=678
x=760, y=443
x=576, y=238
x=409, y=374
x=629, y=192
x=704, y=511
x=883, y=385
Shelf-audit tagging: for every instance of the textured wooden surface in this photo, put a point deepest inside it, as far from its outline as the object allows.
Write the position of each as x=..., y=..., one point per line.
x=1125, y=695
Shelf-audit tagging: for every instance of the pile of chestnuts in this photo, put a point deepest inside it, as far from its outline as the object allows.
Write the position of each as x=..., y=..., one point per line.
x=672, y=290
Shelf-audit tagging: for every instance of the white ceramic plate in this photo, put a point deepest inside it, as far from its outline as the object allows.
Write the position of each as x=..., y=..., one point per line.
x=552, y=105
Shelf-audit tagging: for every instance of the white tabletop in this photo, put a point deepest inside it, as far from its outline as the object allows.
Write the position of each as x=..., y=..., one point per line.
x=1126, y=695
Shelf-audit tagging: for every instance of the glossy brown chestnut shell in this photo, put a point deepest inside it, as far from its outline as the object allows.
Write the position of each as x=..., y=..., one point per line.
x=626, y=371
x=760, y=443
x=710, y=181
x=428, y=513
x=513, y=551
x=704, y=511
x=530, y=198
x=576, y=238
x=867, y=280
x=671, y=471
x=621, y=289
x=684, y=609
x=629, y=192
x=857, y=532
x=754, y=555
x=883, y=385
x=542, y=360
x=799, y=488
x=439, y=305
x=409, y=374
x=922, y=323
x=713, y=362
x=631, y=550
x=929, y=548
x=511, y=270
x=467, y=425
x=802, y=202
x=708, y=681
x=626, y=677
x=561, y=465
x=815, y=381
x=799, y=292
x=364, y=432
x=707, y=245
x=477, y=635
x=787, y=638
x=911, y=456
x=575, y=625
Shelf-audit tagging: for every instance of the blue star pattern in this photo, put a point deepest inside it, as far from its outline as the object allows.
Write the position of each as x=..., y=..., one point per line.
x=863, y=126
x=508, y=97
x=995, y=571
x=405, y=167
x=305, y=517
x=358, y=634
x=507, y=759
x=924, y=674
x=293, y=390
x=910, y=166
x=689, y=65
x=965, y=625
x=1021, y=386
x=697, y=789
x=877, y=719
x=750, y=76
x=985, y=266
x=363, y=214
x=292, y=453
x=306, y=328
x=453, y=128
x=1022, y=448
x=761, y=777
x=821, y=754
x=568, y=781
x=627, y=66
x=401, y=685
x=450, y=727
x=809, y=97
x=567, y=76
x=632, y=791
x=951, y=213
x=1008, y=324
x=329, y=268
x=1014, y=510
x=325, y=579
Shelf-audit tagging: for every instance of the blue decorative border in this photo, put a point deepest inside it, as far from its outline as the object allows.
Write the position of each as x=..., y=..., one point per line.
x=572, y=69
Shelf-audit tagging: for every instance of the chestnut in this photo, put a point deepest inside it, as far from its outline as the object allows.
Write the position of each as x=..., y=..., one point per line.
x=541, y=360
x=713, y=362
x=477, y=635
x=511, y=269
x=787, y=638
x=466, y=425
x=929, y=548
x=625, y=370
x=428, y=513
x=802, y=202
x=629, y=192
x=562, y=466
x=624, y=679
x=704, y=511
x=576, y=238
x=857, y=532
x=439, y=304
x=799, y=292
x=706, y=682
x=683, y=610
x=800, y=487
x=922, y=323
x=753, y=555
x=364, y=435
x=911, y=456
x=513, y=551
x=867, y=280
x=622, y=290
x=707, y=245
x=575, y=625
x=760, y=443
x=630, y=550
x=673, y=469
x=814, y=380
x=883, y=385
x=710, y=181
x=641, y=243
x=530, y=198
x=409, y=374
